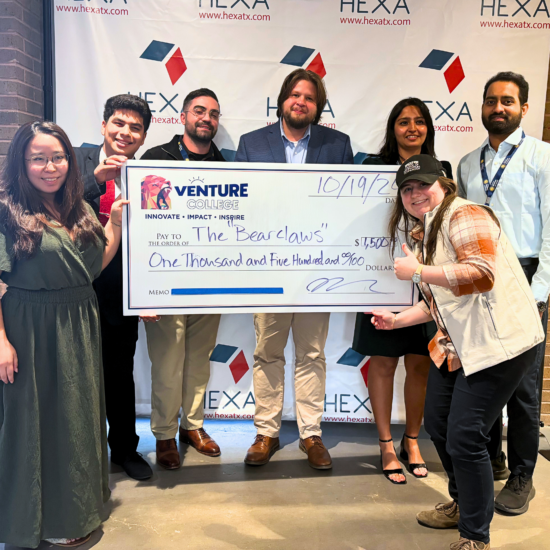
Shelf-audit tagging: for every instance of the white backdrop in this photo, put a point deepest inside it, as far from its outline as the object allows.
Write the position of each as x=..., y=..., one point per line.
x=371, y=53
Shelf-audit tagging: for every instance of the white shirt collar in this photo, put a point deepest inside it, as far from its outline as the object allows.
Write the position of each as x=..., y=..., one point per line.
x=513, y=139
x=103, y=155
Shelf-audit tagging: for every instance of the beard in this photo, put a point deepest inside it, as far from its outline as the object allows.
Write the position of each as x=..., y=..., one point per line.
x=201, y=132
x=501, y=127
x=298, y=123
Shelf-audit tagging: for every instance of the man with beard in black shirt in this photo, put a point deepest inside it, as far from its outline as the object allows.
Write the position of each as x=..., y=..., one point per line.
x=180, y=345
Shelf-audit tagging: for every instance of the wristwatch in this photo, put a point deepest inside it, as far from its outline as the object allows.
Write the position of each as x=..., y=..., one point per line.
x=542, y=306
x=417, y=275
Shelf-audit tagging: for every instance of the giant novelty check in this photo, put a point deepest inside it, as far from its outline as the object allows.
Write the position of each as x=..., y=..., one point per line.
x=202, y=237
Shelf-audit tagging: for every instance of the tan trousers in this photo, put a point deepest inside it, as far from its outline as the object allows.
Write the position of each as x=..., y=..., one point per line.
x=179, y=348
x=309, y=331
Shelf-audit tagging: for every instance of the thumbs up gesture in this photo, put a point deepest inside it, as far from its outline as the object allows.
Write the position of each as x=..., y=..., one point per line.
x=405, y=267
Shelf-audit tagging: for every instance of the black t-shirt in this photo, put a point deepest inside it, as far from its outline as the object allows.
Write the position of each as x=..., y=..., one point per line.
x=195, y=156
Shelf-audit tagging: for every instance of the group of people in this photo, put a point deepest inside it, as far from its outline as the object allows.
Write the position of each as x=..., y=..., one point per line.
x=478, y=249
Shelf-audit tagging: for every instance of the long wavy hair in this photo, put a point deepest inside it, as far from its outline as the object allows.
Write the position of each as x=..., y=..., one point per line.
x=389, y=151
x=23, y=214
x=402, y=221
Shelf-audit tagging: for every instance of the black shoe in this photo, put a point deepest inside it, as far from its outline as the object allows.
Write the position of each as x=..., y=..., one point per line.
x=514, y=498
x=404, y=456
x=135, y=466
x=388, y=473
x=500, y=471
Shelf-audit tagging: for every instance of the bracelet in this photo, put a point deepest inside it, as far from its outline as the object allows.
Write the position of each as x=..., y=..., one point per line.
x=115, y=224
x=394, y=319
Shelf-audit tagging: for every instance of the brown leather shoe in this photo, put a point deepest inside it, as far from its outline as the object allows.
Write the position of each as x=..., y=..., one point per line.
x=201, y=441
x=167, y=454
x=317, y=454
x=262, y=450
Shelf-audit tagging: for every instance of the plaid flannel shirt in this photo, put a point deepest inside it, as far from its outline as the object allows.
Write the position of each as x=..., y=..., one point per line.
x=474, y=236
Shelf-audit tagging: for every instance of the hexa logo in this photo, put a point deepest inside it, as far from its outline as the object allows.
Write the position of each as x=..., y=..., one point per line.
x=158, y=51
x=298, y=56
x=454, y=73
x=353, y=359
x=238, y=367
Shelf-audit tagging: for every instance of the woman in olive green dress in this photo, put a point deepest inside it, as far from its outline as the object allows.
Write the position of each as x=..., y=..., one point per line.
x=53, y=456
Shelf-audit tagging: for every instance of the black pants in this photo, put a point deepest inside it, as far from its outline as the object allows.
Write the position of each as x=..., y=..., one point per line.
x=523, y=412
x=459, y=413
x=118, y=349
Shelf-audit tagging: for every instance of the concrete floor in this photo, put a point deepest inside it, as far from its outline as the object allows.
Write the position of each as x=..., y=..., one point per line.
x=221, y=504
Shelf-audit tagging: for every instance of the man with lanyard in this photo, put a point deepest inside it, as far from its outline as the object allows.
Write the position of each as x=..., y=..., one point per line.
x=296, y=138
x=180, y=345
x=510, y=173
x=126, y=119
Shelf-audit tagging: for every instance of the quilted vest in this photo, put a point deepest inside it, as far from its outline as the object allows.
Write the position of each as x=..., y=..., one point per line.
x=495, y=326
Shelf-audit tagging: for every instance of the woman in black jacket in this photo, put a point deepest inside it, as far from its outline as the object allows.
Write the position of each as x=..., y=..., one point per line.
x=409, y=131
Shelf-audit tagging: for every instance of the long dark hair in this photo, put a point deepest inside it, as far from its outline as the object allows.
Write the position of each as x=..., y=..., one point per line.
x=402, y=221
x=389, y=151
x=22, y=211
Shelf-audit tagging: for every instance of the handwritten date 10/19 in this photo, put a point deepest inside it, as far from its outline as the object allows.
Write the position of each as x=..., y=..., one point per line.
x=358, y=186
x=372, y=242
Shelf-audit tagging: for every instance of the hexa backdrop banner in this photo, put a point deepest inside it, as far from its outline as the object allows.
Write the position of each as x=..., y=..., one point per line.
x=371, y=54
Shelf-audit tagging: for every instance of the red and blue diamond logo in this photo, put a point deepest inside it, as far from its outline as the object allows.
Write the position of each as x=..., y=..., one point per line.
x=238, y=367
x=352, y=358
x=298, y=56
x=158, y=51
x=438, y=59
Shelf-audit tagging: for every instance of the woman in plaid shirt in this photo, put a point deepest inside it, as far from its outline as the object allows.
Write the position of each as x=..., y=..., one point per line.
x=488, y=325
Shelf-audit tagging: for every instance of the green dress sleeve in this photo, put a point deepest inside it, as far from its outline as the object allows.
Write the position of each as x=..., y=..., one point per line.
x=5, y=256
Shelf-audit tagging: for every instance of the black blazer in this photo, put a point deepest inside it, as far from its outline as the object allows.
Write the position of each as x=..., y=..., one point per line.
x=108, y=286
x=87, y=159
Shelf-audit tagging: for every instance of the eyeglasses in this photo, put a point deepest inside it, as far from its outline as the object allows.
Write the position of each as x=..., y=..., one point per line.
x=41, y=161
x=200, y=112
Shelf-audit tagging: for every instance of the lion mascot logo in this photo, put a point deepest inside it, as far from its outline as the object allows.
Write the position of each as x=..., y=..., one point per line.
x=155, y=193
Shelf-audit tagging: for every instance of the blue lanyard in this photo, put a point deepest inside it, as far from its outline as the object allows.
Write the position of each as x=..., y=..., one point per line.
x=490, y=188
x=183, y=152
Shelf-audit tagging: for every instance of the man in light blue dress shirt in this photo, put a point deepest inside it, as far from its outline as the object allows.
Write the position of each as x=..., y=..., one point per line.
x=510, y=172
x=296, y=138
x=295, y=151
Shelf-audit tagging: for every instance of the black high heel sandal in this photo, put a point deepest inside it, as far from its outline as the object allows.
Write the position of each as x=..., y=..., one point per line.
x=404, y=456
x=388, y=473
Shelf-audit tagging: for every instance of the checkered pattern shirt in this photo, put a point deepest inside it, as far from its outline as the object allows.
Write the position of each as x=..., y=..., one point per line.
x=474, y=236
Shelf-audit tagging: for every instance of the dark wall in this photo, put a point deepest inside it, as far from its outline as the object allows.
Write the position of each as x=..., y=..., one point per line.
x=21, y=66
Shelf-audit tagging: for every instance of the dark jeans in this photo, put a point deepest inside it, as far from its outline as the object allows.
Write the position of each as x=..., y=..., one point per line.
x=118, y=349
x=523, y=412
x=459, y=413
